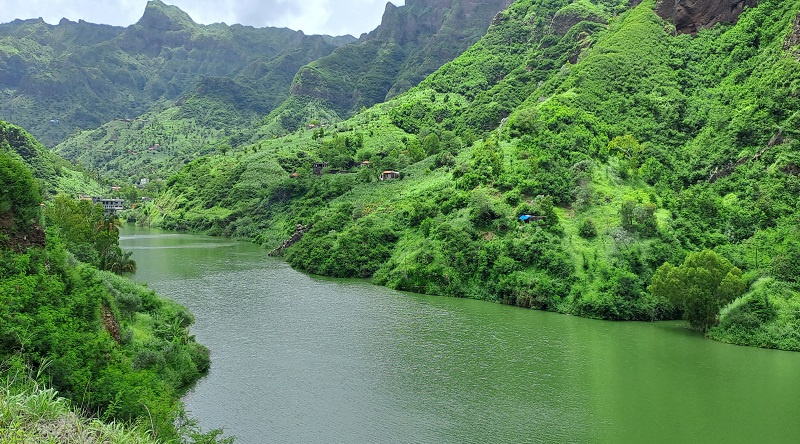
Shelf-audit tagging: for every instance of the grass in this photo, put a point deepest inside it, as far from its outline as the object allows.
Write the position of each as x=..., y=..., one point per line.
x=30, y=413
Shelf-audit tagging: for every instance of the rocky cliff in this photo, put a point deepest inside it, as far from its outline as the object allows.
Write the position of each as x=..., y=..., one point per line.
x=793, y=39
x=689, y=16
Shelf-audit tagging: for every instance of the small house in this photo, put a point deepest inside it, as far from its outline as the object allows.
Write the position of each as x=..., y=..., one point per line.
x=111, y=206
x=318, y=166
x=387, y=175
x=527, y=218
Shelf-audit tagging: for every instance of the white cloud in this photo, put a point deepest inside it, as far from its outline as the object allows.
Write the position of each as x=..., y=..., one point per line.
x=312, y=16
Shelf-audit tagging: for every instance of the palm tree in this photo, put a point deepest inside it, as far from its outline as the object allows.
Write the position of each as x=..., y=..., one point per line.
x=118, y=262
x=109, y=223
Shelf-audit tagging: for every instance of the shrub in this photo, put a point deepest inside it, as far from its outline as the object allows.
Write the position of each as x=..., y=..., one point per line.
x=587, y=230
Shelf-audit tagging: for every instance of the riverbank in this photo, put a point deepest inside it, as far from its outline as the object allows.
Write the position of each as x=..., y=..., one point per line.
x=303, y=358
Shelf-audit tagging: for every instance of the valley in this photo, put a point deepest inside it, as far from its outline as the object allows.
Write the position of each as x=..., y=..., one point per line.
x=607, y=159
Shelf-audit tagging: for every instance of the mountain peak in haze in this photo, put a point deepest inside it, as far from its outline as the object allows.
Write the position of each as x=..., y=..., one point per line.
x=159, y=15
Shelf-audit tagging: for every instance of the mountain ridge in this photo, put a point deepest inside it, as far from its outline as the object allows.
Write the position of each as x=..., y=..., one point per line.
x=81, y=75
x=378, y=54
x=409, y=44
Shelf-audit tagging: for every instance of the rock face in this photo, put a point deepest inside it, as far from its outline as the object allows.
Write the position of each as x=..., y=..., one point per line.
x=19, y=240
x=690, y=16
x=793, y=39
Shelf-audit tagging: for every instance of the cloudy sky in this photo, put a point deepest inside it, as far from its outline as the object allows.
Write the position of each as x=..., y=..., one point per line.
x=334, y=17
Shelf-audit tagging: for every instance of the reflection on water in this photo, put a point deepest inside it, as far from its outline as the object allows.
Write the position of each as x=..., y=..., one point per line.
x=185, y=246
x=297, y=358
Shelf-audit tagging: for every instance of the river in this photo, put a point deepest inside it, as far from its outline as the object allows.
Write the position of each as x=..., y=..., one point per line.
x=304, y=359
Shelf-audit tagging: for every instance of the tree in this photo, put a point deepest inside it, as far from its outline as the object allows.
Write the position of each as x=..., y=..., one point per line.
x=19, y=193
x=700, y=287
x=628, y=149
x=785, y=264
x=106, y=238
x=431, y=144
x=587, y=229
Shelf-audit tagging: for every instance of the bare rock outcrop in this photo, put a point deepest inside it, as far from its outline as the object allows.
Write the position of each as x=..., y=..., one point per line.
x=19, y=239
x=690, y=16
x=300, y=230
x=110, y=323
x=793, y=39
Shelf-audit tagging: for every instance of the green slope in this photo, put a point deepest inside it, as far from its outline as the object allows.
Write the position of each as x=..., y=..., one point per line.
x=411, y=42
x=115, y=348
x=53, y=173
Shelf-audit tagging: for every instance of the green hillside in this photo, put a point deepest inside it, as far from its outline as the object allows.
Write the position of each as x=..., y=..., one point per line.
x=53, y=174
x=225, y=108
x=659, y=170
x=114, y=349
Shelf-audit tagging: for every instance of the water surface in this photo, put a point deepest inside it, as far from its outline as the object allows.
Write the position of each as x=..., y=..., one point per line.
x=302, y=359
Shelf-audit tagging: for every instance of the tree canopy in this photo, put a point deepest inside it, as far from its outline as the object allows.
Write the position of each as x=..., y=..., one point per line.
x=703, y=284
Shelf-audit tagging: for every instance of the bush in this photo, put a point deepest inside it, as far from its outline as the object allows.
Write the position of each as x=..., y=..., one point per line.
x=587, y=230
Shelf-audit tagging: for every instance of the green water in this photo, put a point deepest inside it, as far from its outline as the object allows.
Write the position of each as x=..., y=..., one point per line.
x=302, y=359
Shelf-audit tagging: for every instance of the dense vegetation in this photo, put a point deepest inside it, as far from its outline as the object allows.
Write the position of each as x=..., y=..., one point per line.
x=31, y=413
x=114, y=348
x=631, y=147
x=411, y=42
x=53, y=174
x=582, y=157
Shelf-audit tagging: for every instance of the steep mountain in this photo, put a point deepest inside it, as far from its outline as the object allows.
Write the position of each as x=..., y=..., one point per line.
x=222, y=112
x=215, y=112
x=585, y=157
x=56, y=79
x=411, y=42
x=689, y=16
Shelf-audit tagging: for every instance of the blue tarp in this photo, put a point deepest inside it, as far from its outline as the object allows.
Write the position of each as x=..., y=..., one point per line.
x=525, y=217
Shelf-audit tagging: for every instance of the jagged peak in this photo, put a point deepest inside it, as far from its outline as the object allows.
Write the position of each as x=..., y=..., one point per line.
x=160, y=15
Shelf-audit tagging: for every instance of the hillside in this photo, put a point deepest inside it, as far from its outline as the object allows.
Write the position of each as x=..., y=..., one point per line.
x=644, y=151
x=54, y=175
x=58, y=79
x=114, y=348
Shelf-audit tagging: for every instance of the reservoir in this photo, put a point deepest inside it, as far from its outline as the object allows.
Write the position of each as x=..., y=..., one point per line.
x=304, y=359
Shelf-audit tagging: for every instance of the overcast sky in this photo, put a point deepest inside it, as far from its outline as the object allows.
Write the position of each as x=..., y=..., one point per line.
x=334, y=17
